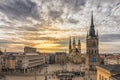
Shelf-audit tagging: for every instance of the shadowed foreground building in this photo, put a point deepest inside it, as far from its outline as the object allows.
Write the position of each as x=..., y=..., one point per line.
x=116, y=77
x=108, y=72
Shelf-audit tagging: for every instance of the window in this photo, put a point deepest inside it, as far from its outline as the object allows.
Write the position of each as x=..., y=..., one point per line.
x=100, y=77
x=95, y=51
x=105, y=78
x=94, y=44
x=89, y=51
x=92, y=51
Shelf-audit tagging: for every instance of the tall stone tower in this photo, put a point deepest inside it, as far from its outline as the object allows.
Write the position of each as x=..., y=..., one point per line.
x=74, y=45
x=79, y=46
x=92, y=56
x=70, y=46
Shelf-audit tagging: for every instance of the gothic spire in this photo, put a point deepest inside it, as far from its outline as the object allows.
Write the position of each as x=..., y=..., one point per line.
x=74, y=41
x=79, y=42
x=70, y=43
x=92, y=30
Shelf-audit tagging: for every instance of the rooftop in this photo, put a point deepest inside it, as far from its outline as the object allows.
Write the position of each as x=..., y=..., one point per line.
x=59, y=53
x=116, y=77
x=111, y=68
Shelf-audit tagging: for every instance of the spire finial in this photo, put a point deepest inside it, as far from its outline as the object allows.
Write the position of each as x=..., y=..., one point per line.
x=92, y=18
x=92, y=31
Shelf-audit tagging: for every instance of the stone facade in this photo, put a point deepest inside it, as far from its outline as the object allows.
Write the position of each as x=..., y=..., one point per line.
x=108, y=72
x=60, y=57
x=92, y=43
x=75, y=51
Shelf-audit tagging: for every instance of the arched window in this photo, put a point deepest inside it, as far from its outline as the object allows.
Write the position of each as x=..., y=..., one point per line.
x=89, y=51
x=94, y=44
x=95, y=51
x=92, y=51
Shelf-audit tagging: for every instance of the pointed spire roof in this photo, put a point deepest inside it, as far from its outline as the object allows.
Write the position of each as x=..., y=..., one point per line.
x=74, y=40
x=70, y=43
x=79, y=42
x=92, y=30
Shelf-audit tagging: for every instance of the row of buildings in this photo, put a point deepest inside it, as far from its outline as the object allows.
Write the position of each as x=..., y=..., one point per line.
x=58, y=58
x=110, y=69
x=23, y=62
x=29, y=60
x=110, y=58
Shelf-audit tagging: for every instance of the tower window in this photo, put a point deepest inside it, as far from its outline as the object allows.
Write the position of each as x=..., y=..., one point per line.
x=94, y=45
x=95, y=51
x=89, y=51
x=92, y=51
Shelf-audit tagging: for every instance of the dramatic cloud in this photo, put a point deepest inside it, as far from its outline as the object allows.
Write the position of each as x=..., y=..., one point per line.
x=110, y=37
x=48, y=24
x=19, y=9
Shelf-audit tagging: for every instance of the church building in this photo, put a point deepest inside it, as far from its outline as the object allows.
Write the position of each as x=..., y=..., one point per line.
x=91, y=58
x=92, y=47
x=75, y=51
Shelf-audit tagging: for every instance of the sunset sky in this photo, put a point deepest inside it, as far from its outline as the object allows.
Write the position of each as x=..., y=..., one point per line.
x=48, y=24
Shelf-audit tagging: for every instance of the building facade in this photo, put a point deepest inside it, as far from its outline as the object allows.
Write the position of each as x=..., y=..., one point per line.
x=108, y=72
x=60, y=57
x=22, y=62
x=29, y=61
x=29, y=50
x=75, y=51
x=51, y=58
x=92, y=51
x=10, y=62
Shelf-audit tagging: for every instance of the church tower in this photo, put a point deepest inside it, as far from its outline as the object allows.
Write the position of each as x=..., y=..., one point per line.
x=92, y=56
x=74, y=45
x=70, y=46
x=79, y=46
